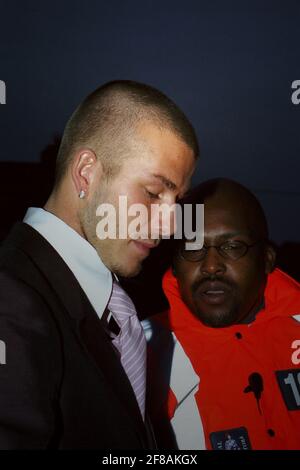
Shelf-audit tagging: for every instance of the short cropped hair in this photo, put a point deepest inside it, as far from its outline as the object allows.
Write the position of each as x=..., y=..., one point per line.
x=111, y=113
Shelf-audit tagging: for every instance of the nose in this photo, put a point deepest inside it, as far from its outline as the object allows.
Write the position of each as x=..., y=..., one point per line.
x=163, y=220
x=212, y=263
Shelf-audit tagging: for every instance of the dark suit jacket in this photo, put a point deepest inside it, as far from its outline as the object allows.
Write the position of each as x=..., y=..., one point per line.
x=62, y=385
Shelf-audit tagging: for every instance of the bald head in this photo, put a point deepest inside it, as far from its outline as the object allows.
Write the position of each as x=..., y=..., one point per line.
x=230, y=196
x=108, y=118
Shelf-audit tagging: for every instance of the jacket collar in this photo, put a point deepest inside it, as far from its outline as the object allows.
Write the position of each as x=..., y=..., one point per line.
x=79, y=255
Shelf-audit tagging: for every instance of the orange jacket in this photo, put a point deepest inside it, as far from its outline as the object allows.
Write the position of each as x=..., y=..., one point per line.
x=225, y=359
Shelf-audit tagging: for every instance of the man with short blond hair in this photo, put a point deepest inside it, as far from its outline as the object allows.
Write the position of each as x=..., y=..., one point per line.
x=75, y=370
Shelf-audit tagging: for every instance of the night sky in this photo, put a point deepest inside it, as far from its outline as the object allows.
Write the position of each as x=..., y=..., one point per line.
x=229, y=65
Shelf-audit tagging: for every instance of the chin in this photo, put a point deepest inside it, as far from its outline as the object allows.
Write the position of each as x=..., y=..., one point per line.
x=128, y=270
x=216, y=319
x=132, y=273
x=217, y=323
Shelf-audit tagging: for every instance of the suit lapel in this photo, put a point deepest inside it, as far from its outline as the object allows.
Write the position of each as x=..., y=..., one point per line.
x=83, y=318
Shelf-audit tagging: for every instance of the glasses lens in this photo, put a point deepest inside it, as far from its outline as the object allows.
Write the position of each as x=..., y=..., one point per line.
x=233, y=250
x=193, y=255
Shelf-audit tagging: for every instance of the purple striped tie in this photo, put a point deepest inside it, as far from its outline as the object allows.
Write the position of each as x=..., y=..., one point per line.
x=131, y=342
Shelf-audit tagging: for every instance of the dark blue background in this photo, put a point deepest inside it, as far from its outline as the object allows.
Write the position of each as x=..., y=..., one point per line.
x=229, y=65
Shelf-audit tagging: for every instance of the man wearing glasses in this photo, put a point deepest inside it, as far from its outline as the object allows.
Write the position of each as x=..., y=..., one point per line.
x=228, y=348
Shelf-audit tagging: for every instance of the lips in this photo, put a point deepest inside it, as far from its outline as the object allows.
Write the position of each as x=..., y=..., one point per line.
x=146, y=244
x=213, y=292
x=213, y=286
x=144, y=247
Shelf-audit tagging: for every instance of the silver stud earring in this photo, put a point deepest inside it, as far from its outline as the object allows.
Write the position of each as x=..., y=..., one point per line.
x=81, y=194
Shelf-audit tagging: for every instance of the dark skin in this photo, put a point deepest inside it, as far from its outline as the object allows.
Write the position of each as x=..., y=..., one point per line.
x=219, y=291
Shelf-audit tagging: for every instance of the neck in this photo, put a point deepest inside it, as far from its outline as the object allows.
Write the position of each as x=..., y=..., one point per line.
x=62, y=206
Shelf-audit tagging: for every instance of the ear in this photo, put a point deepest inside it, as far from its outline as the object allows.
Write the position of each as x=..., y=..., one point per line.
x=84, y=168
x=270, y=258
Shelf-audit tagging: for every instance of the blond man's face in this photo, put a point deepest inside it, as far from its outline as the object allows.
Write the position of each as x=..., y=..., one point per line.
x=157, y=171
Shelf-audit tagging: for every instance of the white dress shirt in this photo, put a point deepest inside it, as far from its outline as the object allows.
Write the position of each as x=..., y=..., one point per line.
x=78, y=254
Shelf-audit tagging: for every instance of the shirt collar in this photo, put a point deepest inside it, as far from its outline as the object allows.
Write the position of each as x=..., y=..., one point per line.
x=79, y=255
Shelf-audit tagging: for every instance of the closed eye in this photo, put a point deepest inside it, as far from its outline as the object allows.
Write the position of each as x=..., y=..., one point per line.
x=151, y=195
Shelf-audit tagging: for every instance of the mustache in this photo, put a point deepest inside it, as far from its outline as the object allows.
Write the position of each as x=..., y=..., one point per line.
x=206, y=282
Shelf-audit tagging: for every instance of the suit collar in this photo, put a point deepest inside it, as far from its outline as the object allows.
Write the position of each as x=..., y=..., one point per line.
x=52, y=267
x=79, y=255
